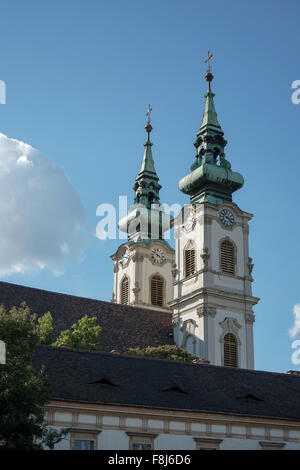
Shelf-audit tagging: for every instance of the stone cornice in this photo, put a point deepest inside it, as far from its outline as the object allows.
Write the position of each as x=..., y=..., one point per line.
x=203, y=293
x=163, y=245
x=141, y=304
x=217, y=273
x=160, y=413
x=230, y=205
x=191, y=308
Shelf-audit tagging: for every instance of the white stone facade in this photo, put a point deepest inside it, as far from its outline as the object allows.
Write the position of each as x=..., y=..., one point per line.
x=208, y=304
x=139, y=267
x=117, y=428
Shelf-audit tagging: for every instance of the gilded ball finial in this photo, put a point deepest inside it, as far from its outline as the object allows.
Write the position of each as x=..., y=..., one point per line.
x=209, y=77
x=148, y=128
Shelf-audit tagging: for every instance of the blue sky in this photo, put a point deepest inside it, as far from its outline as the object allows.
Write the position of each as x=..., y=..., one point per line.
x=79, y=77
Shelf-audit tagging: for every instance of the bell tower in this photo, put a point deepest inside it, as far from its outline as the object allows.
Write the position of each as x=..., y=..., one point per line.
x=143, y=265
x=213, y=303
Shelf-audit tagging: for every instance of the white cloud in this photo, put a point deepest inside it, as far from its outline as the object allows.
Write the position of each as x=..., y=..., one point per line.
x=296, y=327
x=40, y=212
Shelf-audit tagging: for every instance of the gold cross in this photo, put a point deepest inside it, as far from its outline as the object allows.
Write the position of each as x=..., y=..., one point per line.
x=148, y=113
x=209, y=56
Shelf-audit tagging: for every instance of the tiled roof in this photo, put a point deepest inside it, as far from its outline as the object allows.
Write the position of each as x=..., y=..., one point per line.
x=94, y=377
x=122, y=326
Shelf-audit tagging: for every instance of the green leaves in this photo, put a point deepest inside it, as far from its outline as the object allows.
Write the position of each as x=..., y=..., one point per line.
x=168, y=352
x=45, y=328
x=23, y=390
x=84, y=334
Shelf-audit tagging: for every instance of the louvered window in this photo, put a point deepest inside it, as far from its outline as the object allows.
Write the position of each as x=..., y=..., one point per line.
x=227, y=257
x=189, y=261
x=230, y=351
x=157, y=287
x=125, y=291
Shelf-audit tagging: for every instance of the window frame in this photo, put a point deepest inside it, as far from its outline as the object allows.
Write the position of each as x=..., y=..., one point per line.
x=125, y=277
x=267, y=445
x=206, y=443
x=229, y=352
x=234, y=257
x=141, y=438
x=163, y=290
x=189, y=247
x=84, y=435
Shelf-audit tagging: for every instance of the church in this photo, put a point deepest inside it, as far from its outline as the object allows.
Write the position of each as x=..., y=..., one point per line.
x=197, y=296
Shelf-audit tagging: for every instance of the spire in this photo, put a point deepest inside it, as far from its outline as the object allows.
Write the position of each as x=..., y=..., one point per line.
x=146, y=184
x=210, y=142
x=146, y=220
x=147, y=162
x=210, y=119
x=211, y=178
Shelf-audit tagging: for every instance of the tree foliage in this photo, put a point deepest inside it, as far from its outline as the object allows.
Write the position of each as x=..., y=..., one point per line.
x=45, y=328
x=169, y=352
x=84, y=334
x=23, y=390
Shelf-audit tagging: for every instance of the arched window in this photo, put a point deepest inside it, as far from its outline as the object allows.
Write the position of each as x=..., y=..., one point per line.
x=189, y=259
x=227, y=257
x=157, y=290
x=125, y=291
x=230, y=351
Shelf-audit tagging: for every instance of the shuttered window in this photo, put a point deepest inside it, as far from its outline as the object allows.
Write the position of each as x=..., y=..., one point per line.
x=227, y=257
x=157, y=288
x=230, y=351
x=125, y=291
x=189, y=261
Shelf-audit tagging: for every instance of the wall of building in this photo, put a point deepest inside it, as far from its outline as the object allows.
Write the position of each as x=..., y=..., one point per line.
x=119, y=440
x=114, y=427
x=220, y=295
x=139, y=269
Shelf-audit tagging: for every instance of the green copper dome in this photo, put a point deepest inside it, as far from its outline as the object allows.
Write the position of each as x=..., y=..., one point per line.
x=211, y=178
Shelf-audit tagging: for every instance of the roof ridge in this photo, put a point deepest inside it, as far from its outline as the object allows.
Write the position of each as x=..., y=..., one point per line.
x=129, y=356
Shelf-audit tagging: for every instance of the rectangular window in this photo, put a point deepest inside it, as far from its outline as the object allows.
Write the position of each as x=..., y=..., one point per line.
x=83, y=445
x=84, y=439
x=141, y=441
x=139, y=446
x=156, y=291
x=189, y=262
x=265, y=445
x=207, y=443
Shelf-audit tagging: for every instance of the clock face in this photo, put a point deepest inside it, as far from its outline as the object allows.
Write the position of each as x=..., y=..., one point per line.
x=189, y=221
x=226, y=217
x=124, y=257
x=157, y=255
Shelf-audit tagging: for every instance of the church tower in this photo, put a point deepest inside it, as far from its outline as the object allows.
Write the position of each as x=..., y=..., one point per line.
x=143, y=265
x=213, y=303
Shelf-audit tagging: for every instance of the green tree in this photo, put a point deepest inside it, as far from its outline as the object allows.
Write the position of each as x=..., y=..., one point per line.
x=23, y=390
x=166, y=351
x=84, y=334
x=44, y=328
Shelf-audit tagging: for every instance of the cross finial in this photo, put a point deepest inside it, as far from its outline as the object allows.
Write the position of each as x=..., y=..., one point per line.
x=148, y=114
x=209, y=56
